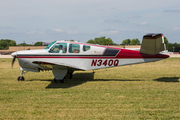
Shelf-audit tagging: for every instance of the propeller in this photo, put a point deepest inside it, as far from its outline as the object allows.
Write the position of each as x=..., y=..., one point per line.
x=14, y=54
x=14, y=58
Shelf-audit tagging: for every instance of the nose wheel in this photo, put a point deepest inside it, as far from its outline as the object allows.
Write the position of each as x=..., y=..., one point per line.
x=21, y=78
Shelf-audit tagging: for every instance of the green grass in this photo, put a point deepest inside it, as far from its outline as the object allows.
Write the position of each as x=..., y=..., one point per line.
x=143, y=91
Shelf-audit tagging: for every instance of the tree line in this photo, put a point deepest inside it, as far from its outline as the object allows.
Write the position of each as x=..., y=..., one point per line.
x=171, y=47
x=5, y=43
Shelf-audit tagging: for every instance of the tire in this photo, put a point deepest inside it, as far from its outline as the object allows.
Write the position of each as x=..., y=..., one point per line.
x=58, y=81
x=68, y=75
x=61, y=81
x=21, y=78
x=55, y=80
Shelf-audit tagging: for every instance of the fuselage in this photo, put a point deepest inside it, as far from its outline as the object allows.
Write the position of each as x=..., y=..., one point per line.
x=85, y=57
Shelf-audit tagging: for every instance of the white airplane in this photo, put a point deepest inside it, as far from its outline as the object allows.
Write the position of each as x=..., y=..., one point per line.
x=65, y=57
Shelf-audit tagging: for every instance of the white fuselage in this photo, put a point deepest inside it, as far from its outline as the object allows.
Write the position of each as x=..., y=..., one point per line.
x=95, y=58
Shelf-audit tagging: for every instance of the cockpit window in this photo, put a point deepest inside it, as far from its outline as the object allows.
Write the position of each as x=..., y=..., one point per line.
x=49, y=45
x=59, y=48
x=74, y=48
x=86, y=48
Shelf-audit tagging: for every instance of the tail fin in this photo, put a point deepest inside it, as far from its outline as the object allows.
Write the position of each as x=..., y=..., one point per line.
x=152, y=44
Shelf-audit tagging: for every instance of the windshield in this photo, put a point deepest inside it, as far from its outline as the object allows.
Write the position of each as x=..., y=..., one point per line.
x=59, y=48
x=49, y=45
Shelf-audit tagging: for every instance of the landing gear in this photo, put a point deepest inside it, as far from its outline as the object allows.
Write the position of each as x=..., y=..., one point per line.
x=21, y=78
x=68, y=75
x=60, y=74
x=58, y=80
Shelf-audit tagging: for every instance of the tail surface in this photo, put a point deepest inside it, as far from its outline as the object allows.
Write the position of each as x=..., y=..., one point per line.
x=152, y=44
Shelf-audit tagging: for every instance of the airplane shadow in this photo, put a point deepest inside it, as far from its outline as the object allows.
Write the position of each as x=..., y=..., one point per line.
x=167, y=79
x=78, y=79
x=39, y=80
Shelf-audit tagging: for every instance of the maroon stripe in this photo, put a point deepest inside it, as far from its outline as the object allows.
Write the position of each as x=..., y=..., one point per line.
x=73, y=57
x=136, y=54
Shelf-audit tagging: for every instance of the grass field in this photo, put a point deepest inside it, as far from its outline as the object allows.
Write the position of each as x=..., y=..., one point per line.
x=143, y=91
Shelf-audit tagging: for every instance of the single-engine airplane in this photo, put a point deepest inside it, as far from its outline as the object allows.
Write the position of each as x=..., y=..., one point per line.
x=65, y=57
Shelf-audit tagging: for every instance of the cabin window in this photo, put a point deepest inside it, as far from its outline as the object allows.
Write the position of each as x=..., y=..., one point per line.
x=59, y=48
x=86, y=48
x=74, y=48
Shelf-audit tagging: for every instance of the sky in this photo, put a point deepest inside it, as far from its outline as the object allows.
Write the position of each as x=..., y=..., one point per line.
x=31, y=21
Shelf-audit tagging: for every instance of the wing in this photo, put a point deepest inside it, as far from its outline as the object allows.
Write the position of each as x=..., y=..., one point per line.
x=50, y=66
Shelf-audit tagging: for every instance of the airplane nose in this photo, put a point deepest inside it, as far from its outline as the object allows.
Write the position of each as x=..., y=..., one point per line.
x=14, y=54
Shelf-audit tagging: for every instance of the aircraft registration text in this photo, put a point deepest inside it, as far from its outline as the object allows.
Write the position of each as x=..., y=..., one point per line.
x=106, y=62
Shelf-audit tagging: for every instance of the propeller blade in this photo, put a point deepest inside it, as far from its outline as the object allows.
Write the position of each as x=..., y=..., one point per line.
x=14, y=58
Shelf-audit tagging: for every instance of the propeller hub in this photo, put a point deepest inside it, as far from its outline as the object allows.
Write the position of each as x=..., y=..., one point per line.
x=14, y=54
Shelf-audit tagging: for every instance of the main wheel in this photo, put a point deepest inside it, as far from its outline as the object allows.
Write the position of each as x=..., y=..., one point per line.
x=61, y=81
x=58, y=81
x=68, y=76
x=20, y=78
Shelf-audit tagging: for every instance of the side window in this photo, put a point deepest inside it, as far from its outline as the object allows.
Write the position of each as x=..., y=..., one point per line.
x=74, y=48
x=59, y=48
x=86, y=48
